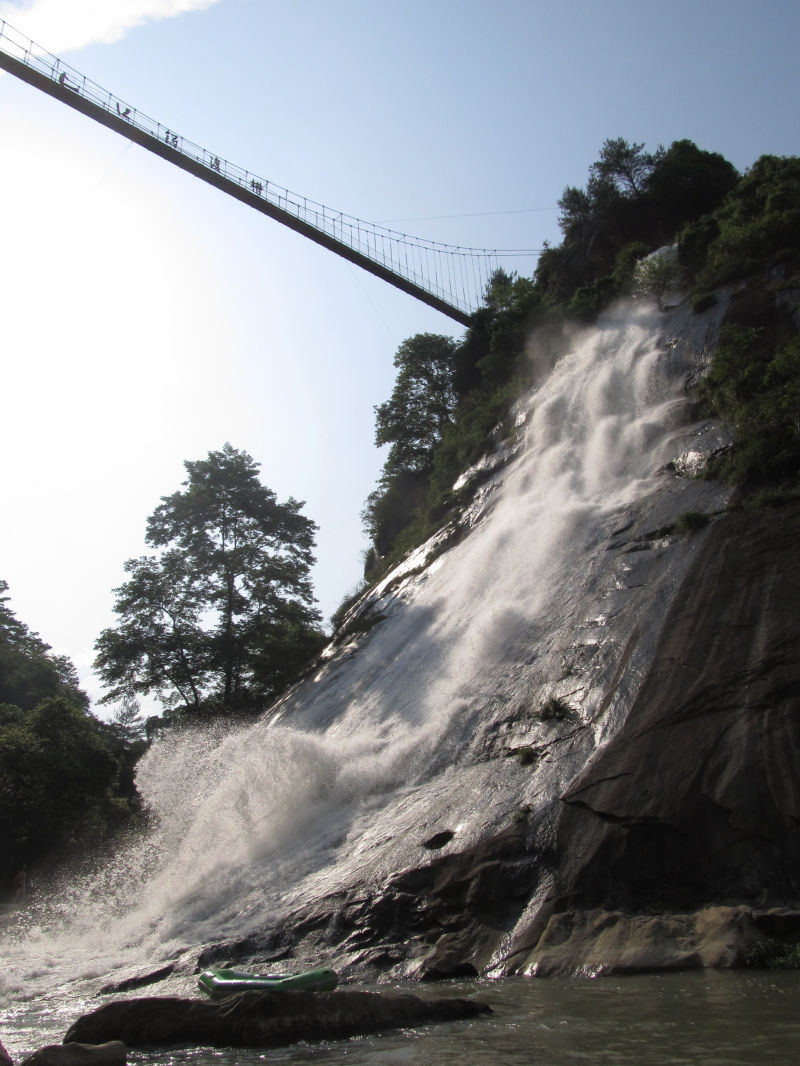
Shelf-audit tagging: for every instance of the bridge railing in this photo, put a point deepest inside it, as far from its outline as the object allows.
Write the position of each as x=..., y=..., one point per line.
x=456, y=275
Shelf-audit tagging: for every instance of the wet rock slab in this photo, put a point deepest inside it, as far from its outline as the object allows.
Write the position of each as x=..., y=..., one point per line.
x=263, y=1019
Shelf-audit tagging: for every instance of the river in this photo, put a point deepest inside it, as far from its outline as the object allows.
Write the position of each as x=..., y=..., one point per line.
x=717, y=1018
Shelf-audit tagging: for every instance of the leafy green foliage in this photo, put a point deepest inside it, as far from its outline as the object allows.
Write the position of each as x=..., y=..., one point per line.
x=687, y=184
x=632, y=195
x=622, y=170
x=421, y=405
x=66, y=778
x=222, y=615
x=389, y=507
x=413, y=421
x=58, y=782
x=691, y=522
x=634, y=203
x=29, y=671
x=755, y=386
x=773, y=954
x=757, y=224
x=349, y=600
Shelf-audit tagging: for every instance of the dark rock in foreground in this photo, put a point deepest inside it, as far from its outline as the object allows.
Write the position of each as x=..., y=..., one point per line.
x=113, y=1053
x=263, y=1019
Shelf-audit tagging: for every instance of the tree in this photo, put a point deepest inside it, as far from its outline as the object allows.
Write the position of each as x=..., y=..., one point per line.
x=621, y=166
x=59, y=767
x=29, y=670
x=412, y=421
x=687, y=183
x=127, y=723
x=421, y=404
x=757, y=223
x=59, y=783
x=223, y=613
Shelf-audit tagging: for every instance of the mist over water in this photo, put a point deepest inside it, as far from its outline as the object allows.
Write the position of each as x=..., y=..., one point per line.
x=249, y=822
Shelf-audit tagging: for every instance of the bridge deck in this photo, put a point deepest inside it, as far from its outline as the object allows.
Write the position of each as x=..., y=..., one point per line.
x=449, y=278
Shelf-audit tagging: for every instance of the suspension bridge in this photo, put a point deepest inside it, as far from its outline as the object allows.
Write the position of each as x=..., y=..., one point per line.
x=450, y=278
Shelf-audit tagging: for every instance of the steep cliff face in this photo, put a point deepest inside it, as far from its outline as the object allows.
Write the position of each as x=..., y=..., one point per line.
x=677, y=843
x=623, y=748
x=560, y=737
x=697, y=797
x=636, y=756
x=692, y=810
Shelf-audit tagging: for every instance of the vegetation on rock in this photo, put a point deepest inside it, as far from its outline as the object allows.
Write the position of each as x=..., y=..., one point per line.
x=726, y=228
x=755, y=387
x=66, y=778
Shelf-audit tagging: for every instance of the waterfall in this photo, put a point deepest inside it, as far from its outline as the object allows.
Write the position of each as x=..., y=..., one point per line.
x=407, y=729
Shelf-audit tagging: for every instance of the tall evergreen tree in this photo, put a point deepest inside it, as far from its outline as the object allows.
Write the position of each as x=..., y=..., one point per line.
x=223, y=613
x=421, y=404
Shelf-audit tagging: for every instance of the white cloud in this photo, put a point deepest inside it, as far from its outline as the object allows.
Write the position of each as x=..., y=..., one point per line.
x=65, y=25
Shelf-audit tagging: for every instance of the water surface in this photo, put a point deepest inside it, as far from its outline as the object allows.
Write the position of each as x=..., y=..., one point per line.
x=713, y=1018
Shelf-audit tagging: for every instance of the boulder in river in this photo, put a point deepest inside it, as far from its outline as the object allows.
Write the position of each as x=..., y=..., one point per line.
x=112, y=1053
x=263, y=1019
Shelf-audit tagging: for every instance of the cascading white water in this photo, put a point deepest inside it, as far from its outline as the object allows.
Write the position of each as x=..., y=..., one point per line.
x=373, y=750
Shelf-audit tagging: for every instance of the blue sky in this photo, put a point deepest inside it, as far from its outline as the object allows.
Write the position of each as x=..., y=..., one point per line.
x=147, y=318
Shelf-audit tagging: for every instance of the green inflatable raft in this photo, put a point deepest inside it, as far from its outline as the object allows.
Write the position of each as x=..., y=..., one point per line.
x=218, y=983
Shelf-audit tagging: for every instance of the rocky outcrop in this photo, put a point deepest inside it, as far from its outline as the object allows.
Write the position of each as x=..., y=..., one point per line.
x=561, y=736
x=697, y=798
x=439, y=920
x=263, y=1019
x=600, y=943
x=669, y=846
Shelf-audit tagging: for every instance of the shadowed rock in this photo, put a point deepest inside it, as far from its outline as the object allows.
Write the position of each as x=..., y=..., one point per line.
x=697, y=798
x=113, y=1053
x=263, y=1019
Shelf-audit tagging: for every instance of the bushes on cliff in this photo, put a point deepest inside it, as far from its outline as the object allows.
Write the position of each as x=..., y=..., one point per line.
x=634, y=202
x=755, y=386
x=631, y=196
x=757, y=225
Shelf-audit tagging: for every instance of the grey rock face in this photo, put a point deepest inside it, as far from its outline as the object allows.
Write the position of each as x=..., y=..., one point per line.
x=697, y=798
x=636, y=758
